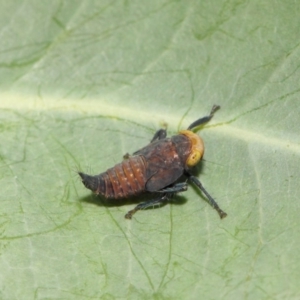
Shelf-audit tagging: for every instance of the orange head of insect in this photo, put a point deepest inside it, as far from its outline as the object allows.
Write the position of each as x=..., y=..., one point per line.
x=197, y=148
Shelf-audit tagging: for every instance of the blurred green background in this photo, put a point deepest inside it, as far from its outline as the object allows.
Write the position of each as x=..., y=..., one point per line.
x=84, y=82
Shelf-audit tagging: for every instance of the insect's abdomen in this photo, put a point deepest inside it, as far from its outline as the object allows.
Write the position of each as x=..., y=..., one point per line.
x=124, y=179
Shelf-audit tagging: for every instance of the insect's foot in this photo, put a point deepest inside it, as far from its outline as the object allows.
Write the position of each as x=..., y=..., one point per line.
x=214, y=109
x=222, y=214
x=126, y=156
x=130, y=214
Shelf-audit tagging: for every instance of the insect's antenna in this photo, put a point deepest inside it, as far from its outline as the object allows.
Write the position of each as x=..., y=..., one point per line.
x=204, y=119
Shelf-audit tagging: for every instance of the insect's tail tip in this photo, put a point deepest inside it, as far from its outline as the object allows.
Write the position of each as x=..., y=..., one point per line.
x=83, y=177
x=90, y=182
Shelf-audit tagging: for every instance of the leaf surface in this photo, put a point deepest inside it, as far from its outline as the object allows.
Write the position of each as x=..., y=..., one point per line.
x=83, y=83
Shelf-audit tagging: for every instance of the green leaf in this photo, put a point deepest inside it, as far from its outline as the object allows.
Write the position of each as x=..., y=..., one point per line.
x=83, y=83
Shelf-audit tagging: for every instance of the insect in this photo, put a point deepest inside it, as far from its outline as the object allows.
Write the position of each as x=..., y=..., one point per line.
x=156, y=169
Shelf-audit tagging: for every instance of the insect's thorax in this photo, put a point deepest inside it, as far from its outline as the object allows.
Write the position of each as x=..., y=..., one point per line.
x=182, y=146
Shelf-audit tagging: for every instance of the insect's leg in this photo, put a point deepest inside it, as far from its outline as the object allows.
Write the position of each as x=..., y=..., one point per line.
x=151, y=203
x=126, y=156
x=159, y=134
x=204, y=119
x=176, y=188
x=211, y=201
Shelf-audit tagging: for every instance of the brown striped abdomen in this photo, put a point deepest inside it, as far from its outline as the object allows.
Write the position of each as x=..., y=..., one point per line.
x=124, y=179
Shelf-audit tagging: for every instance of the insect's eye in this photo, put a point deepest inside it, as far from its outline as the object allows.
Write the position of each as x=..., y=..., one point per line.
x=193, y=158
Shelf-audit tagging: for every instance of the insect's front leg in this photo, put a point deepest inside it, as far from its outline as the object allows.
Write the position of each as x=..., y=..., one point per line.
x=151, y=203
x=204, y=119
x=159, y=135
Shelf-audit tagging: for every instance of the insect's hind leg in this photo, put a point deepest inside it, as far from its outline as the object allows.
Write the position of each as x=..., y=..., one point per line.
x=151, y=203
x=211, y=200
